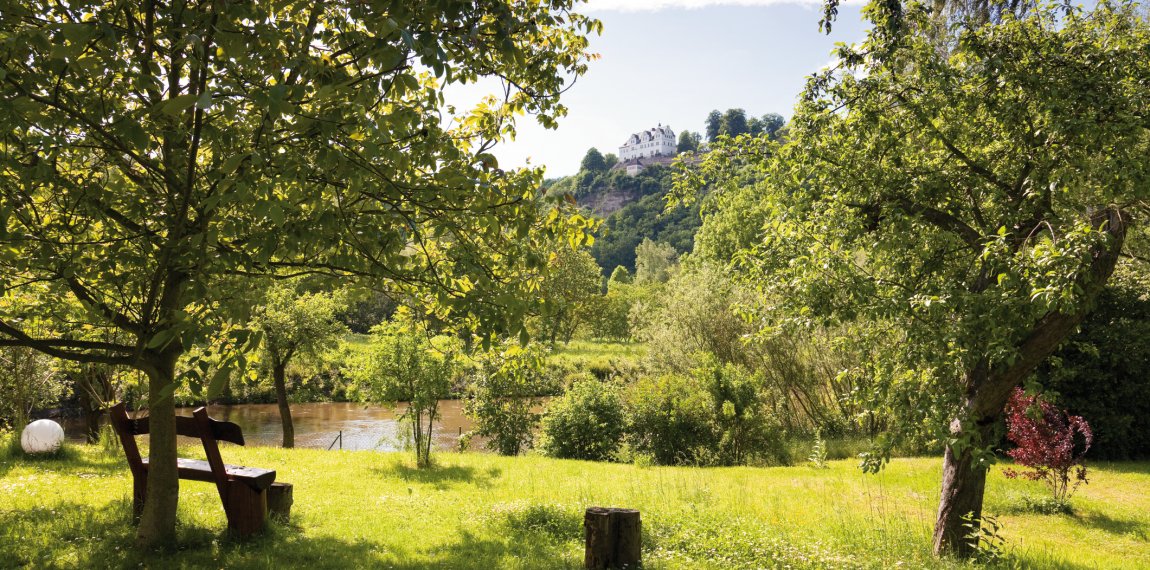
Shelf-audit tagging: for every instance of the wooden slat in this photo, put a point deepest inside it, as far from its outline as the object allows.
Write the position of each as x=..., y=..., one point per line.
x=188, y=427
x=199, y=470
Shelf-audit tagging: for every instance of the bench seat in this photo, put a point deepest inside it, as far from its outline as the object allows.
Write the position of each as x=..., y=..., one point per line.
x=199, y=470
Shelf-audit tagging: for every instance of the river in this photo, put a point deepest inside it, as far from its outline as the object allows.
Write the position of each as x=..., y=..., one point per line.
x=318, y=425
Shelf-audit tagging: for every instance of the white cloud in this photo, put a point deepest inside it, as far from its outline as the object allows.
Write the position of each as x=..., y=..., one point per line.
x=656, y=5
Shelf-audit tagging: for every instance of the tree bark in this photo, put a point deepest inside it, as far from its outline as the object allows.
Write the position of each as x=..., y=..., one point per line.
x=282, y=400
x=960, y=507
x=158, y=520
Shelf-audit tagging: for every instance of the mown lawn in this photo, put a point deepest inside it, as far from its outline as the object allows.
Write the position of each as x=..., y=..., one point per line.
x=368, y=509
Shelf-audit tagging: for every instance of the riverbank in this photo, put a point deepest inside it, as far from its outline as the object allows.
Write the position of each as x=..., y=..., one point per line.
x=357, y=509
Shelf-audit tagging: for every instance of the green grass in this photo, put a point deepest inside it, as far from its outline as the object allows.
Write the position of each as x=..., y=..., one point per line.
x=582, y=354
x=368, y=509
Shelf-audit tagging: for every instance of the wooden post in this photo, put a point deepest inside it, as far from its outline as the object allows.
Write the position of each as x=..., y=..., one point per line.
x=280, y=501
x=613, y=538
x=245, y=507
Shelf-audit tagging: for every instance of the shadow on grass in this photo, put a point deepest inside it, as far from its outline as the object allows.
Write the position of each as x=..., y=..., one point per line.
x=66, y=458
x=1140, y=467
x=1104, y=522
x=440, y=477
x=70, y=535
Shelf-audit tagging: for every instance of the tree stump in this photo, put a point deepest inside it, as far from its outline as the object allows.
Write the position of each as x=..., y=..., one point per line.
x=280, y=501
x=613, y=538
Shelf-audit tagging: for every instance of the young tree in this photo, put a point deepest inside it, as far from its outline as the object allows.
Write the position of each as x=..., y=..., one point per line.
x=970, y=203
x=610, y=160
x=593, y=161
x=654, y=261
x=28, y=380
x=571, y=285
x=155, y=156
x=405, y=367
x=1050, y=441
x=294, y=325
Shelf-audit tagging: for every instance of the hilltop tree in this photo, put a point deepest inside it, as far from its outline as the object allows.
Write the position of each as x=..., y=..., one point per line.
x=688, y=141
x=968, y=202
x=593, y=161
x=771, y=124
x=714, y=125
x=734, y=123
x=295, y=325
x=156, y=156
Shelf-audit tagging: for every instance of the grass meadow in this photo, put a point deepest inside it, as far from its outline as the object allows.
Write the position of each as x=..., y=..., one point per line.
x=474, y=510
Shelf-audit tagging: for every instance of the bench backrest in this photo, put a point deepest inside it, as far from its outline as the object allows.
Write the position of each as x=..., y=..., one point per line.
x=209, y=431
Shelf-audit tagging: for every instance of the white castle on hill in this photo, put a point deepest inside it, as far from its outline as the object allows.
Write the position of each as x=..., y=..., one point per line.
x=659, y=141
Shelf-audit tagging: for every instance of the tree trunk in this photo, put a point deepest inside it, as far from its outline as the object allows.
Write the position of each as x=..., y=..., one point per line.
x=282, y=400
x=158, y=520
x=960, y=507
x=89, y=407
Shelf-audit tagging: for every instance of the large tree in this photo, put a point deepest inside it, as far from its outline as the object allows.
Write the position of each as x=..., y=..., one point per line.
x=155, y=154
x=964, y=203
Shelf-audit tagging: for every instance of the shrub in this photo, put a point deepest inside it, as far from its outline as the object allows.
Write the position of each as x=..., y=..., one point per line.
x=669, y=418
x=585, y=423
x=1050, y=441
x=503, y=394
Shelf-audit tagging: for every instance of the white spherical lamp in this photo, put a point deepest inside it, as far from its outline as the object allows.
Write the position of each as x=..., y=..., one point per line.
x=42, y=436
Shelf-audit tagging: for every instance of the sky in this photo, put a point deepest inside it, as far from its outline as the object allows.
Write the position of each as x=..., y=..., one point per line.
x=671, y=62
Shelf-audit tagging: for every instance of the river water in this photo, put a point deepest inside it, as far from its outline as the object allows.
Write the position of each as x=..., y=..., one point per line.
x=318, y=425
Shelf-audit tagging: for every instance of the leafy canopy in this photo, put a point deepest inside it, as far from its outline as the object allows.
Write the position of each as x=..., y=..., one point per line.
x=966, y=204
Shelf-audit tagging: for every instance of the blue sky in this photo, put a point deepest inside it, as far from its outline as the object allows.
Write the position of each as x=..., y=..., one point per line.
x=672, y=62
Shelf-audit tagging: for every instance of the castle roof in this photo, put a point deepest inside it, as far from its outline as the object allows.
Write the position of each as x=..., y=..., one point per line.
x=650, y=135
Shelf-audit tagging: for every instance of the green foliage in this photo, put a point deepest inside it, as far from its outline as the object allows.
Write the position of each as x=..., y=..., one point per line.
x=655, y=262
x=714, y=125
x=985, y=538
x=593, y=161
x=156, y=159
x=503, y=395
x=669, y=418
x=570, y=288
x=608, y=317
x=297, y=323
x=643, y=216
x=28, y=381
x=747, y=426
x=702, y=313
x=818, y=456
x=619, y=275
x=404, y=366
x=587, y=422
x=688, y=142
x=931, y=201
x=643, y=219
x=718, y=415
x=1100, y=373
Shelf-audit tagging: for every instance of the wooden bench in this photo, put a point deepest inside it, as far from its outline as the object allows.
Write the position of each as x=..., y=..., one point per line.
x=243, y=490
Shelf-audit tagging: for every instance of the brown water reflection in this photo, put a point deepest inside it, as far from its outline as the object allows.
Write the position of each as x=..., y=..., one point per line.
x=318, y=424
